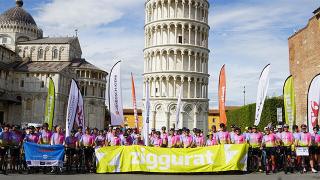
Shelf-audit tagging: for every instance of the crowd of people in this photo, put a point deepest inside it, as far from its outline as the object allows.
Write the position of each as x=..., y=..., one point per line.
x=271, y=150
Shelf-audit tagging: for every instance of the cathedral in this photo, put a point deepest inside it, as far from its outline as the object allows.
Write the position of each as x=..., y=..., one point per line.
x=28, y=60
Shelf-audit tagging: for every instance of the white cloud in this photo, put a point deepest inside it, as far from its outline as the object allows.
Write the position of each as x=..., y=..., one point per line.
x=247, y=36
x=84, y=14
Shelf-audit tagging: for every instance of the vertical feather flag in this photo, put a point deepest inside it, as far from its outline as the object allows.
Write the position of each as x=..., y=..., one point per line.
x=313, y=102
x=179, y=106
x=262, y=93
x=289, y=102
x=115, y=96
x=222, y=95
x=134, y=102
x=50, y=102
x=80, y=120
x=146, y=115
x=72, y=106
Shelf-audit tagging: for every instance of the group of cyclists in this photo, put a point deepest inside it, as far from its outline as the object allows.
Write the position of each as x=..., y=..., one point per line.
x=271, y=150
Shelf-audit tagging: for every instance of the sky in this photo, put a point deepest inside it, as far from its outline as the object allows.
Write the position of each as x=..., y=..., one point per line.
x=246, y=35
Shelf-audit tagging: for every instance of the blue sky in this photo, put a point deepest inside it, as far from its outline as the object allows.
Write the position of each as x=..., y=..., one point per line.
x=245, y=35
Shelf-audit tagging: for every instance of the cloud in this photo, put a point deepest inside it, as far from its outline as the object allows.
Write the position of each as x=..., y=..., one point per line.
x=247, y=36
x=62, y=14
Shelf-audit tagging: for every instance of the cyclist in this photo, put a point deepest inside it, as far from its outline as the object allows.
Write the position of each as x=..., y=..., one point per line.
x=317, y=146
x=223, y=135
x=199, y=140
x=100, y=140
x=232, y=132
x=16, y=141
x=71, y=144
x=172, y=139
x=138, y=140
x=114, y=140
x=58, y=137
x=187, y=140
x=238, y=138
x=269, y=143
x=87, y=145
x=254, y=140
x=4, y=146
x=287, y=141
x=248, y=131
x=126, y=140
x=45, y=135
x=315, y=140
x=164, y=136
x=157, y=141
x=305, y=140
x=31, y=136
x=79, y=133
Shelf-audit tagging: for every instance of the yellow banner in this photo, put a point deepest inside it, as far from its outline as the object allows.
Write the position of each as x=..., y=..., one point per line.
x=170, y=160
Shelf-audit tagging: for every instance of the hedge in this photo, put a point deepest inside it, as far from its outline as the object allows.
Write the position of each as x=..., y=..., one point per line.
x=245, y=116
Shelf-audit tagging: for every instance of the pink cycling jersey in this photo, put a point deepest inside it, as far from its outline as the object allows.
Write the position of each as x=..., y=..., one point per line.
x=255, y=139
x=305, y=139
x=86, y=140
x=33, y=138
x=156, y=142
x=15, y=138
x=115, y=141
x=317, y=140
x=57, y=139
x=239, y=139
x=171, y=141
x=223, y=137
x=199, y=141
x=269, y=140
x=45, y=137
x=287, y=138
x=187, y=141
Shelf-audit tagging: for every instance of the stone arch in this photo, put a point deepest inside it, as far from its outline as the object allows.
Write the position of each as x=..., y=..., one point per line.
x=159, y=111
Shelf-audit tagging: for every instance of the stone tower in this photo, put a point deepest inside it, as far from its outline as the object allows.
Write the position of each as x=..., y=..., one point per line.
x=176, y=54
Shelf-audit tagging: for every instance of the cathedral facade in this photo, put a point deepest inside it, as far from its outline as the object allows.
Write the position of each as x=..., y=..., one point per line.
x=176, y=54
x=28, y=60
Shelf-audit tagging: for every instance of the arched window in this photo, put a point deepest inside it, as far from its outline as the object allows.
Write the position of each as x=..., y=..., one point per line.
x=40, y=54
x=55, y=54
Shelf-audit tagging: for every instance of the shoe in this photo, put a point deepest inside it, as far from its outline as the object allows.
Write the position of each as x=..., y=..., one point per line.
x=313, y=170
x=304, y=170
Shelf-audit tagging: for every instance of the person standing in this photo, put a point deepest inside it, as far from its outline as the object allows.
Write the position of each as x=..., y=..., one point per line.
x=223, y=135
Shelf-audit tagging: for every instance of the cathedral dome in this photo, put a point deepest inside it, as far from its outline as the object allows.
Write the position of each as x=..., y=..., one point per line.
x=17, y=15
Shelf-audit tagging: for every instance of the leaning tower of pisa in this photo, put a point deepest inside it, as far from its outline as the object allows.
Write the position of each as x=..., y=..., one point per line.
x=176, y=54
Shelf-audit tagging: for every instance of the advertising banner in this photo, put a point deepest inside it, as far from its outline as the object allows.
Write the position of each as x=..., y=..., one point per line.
x=72, y=107
x=43, y=155
x=146, y=117
x=289, y=102
x=313, y=102
x=179, y=106
x=115, y=96
x=134, y=102
x=262, y=93
x=49, y=112
x=80, y=120
x=222, y=95
x=170, y=160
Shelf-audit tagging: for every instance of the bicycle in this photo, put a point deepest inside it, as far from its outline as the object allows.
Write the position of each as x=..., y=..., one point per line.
x=15, y=157
x=4, y=156
x=267, y=154
x=253, y=160
x=288, y=160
